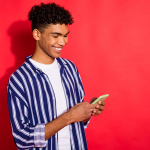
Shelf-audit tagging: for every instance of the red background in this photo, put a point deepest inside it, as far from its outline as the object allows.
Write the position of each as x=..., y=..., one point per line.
x=110, y=44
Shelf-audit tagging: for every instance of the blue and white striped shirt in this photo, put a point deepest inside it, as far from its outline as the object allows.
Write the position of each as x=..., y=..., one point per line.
x=32, y=104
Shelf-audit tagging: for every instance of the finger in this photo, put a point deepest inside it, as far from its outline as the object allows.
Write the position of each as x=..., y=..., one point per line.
x=94, y=111
x=99, y=103
x=93, y=99
x=99, y=112
x=97, y=106
x=101, y=108
x=94, y=114
x=102, y=103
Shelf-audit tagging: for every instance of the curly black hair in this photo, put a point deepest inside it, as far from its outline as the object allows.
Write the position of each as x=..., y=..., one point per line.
x=45, y=14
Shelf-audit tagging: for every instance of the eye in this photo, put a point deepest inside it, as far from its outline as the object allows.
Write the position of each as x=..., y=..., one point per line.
x=66, y=36
x=55, y=36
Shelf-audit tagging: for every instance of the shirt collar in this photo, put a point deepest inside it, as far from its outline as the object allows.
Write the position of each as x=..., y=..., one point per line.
x=59, y=60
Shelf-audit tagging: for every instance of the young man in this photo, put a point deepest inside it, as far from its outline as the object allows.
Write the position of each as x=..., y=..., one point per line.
x=45, y=94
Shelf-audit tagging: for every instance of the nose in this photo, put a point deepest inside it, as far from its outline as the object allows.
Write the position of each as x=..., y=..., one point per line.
x=61, y=41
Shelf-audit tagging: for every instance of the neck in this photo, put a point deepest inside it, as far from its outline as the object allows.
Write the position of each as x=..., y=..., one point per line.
x=41, y=57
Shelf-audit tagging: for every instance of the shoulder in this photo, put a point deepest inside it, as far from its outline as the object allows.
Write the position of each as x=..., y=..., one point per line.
x=16, y=76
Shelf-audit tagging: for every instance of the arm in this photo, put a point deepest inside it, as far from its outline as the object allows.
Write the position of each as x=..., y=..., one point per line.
x=78, y=113
x=54, y=126
x=25, y=135
x=22, y=131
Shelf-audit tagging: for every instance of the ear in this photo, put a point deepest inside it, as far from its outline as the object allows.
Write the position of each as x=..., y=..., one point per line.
x=36, y=34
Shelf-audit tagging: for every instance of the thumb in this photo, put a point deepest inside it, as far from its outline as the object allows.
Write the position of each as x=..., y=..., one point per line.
x=93, y=99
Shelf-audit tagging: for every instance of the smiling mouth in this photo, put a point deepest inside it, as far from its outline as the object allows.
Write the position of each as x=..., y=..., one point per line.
x=57, y=49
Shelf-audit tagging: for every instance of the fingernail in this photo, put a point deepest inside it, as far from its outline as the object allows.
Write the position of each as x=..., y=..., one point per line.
x=100, y=102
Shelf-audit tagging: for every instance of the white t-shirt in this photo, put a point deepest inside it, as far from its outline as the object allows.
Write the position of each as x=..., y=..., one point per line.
x=53, y=72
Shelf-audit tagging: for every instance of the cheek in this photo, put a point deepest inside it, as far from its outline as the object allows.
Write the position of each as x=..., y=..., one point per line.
x=42, y=44
x=51, y=41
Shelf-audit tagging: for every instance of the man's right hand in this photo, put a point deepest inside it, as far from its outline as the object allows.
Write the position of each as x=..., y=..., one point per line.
x=81, y=111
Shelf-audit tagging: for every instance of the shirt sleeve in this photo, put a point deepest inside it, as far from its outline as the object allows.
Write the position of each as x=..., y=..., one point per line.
x=39, y=135
x=25, y=135
x=80, y=86
x=82, y=93
x=86, y=125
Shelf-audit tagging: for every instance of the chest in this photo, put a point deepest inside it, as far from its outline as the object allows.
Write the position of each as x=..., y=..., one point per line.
x=41, y=96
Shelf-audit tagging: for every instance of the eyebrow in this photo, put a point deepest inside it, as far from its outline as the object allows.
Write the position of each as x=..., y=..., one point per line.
x=59, y=33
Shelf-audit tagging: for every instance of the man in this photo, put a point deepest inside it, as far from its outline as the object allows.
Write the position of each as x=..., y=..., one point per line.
x=45, y=94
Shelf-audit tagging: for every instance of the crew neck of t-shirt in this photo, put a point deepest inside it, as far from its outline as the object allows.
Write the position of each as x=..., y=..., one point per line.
x=44, y=66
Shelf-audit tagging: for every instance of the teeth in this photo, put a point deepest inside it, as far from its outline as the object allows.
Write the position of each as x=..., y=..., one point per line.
x=58, y=49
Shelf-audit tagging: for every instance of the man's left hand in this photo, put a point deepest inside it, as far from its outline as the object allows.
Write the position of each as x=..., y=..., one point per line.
x=99, y=107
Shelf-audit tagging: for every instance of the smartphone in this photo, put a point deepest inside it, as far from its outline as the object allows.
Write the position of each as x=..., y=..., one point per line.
x=101, y=98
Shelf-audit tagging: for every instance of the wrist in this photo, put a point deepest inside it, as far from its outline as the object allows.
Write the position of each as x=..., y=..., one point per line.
x=86, y=120
x=67, y=118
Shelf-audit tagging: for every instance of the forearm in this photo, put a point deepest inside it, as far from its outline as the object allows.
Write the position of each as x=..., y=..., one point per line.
x=80, y=112
x=54, y=126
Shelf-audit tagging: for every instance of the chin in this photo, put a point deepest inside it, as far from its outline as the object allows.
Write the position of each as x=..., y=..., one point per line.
x=56, y=56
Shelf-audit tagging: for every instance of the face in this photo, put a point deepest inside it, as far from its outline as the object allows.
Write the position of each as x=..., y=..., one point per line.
x=52, y=41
